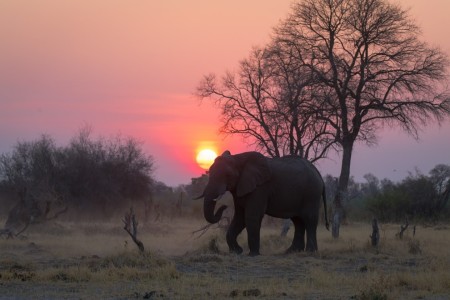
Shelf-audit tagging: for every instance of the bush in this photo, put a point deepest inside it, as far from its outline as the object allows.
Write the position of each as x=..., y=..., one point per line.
x=416, y=196
x=102, y=175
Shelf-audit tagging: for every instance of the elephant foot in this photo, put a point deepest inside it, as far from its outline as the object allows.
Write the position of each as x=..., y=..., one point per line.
x=311, y=249
x=253, y=253
x=292, y=249
x=236, y=250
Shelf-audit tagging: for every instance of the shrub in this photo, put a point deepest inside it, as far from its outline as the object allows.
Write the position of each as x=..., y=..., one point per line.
x=101, y=175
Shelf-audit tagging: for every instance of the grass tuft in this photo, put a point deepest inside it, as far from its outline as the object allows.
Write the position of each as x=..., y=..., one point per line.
x=414, y=247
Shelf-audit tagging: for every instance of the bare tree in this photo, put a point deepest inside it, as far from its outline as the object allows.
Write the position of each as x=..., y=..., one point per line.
x=372, y=68
x=268, y=102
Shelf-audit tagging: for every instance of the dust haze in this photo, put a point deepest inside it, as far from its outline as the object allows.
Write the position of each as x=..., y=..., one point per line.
x=65, y=259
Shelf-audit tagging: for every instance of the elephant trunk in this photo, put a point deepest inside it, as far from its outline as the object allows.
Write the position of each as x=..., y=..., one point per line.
x=208, y=209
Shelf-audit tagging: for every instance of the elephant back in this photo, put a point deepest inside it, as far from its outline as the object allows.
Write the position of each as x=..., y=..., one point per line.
x=295, y=171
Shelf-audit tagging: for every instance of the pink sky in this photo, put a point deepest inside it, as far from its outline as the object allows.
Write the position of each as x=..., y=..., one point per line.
x=131, y=67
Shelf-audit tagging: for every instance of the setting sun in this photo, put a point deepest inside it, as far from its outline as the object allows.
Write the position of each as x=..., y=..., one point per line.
x=205, y=158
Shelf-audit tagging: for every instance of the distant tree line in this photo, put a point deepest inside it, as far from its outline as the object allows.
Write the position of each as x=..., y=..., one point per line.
x=418, y=197
x=93, y=177
x=101, y=178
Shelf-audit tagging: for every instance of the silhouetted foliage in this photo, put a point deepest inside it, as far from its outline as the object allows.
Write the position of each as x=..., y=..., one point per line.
x=97, y=177
x=30, y=164
x=30, y=174
x=270, y=102
x=372, y=70
x=416, y=196
x=105, y=173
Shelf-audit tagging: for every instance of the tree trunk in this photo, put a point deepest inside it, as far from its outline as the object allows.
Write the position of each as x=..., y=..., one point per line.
x=338, y=209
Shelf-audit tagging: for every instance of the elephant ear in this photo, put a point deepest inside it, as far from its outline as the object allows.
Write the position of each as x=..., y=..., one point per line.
x=255, y=171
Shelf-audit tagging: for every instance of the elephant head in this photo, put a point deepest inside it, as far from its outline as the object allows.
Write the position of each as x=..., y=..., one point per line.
x=239, y=174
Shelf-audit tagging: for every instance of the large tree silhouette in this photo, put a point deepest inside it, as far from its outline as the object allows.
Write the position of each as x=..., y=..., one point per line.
x=270, y=102
x=373, y=70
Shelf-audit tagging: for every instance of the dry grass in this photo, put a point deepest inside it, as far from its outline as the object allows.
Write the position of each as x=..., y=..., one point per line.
x=68, y=260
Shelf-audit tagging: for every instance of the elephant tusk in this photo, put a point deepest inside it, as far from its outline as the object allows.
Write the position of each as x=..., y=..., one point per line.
x=218, y=198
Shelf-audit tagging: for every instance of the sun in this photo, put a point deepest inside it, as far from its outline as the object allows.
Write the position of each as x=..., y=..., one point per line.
x=205, y=158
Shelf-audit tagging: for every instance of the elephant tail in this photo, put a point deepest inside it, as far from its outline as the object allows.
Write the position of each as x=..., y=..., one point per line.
x=324, y=197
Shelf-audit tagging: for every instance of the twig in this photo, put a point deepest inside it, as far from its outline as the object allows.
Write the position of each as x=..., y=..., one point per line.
x=220, y=225
x=7, y=232
x=204, y=229
x=23, y=229
x=403, y=228
x=57, y=214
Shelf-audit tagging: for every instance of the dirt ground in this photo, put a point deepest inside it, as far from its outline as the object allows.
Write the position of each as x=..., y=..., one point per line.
x=65, y=260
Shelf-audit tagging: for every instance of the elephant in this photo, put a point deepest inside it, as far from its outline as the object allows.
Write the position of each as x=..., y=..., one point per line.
x=286, y=187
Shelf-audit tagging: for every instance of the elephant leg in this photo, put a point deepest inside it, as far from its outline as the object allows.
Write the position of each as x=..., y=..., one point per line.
x=253, y=225
x=298, y=243
x=311, y=236
x=235, y=228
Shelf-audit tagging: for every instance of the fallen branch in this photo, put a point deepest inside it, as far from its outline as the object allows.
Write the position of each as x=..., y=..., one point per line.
x=131, y=224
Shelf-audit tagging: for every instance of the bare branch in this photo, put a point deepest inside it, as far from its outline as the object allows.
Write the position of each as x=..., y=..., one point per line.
x=271, y=104
x=130, y=226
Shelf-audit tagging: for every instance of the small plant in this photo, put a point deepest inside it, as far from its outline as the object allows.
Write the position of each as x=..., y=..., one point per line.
x=414, y=247
x=364, y=268
x=376, y=288
x=70, y=274
x=352, y=245
x=371, y=294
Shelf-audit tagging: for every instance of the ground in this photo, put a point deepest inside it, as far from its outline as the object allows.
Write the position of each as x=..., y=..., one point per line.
x=64, y=260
